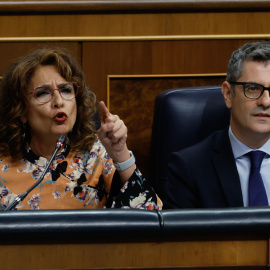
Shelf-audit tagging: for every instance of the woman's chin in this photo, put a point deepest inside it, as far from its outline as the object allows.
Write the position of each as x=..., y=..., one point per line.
x=61, y=131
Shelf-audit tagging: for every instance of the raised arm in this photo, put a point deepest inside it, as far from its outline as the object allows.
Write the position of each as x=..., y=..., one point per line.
x=113, y=135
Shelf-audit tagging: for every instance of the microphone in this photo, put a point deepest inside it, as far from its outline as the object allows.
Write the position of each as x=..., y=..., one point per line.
x=22, y=196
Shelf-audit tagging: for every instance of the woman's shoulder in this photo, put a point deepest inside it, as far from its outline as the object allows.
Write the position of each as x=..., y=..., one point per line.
x=9, y=165
x=9, y=159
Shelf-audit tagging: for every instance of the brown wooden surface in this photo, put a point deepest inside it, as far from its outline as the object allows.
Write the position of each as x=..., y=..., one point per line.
x=135, y=43
x=116, y=38
x=11, y=51
x=157, y=255
x=101, y=59
x=133, y=100
x=141, y=25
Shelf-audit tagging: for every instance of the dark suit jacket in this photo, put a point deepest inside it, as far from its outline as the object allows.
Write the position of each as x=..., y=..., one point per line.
x=204, y=175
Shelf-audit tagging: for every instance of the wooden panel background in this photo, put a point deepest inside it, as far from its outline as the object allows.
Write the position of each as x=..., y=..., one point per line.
x=137, y=58
x=156, y=57
x=136, y=49
x=133, y=100
x=145, y=24
x=11, y=51
x=112, y=39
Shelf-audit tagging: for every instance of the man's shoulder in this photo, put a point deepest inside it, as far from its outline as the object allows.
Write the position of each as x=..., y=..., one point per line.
x=207, y=144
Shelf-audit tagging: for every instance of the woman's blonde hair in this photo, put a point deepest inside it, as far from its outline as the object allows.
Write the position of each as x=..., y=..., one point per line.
x=13, y=93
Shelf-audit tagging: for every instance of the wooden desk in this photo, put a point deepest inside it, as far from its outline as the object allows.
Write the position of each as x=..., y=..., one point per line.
x=135, y=239
x=221, y=254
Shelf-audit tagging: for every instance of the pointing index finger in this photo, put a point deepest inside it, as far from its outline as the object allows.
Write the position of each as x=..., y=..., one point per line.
x=103, y=112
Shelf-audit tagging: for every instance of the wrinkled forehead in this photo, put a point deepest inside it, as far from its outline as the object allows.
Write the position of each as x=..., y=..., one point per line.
x=46, y=75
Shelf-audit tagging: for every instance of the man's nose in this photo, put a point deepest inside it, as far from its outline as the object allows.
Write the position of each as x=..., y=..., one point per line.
x=264, y=100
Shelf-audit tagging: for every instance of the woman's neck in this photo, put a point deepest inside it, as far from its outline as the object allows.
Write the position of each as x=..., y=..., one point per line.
x=43, y=148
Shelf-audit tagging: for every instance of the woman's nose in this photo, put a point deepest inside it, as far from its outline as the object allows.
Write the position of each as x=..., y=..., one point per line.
x=57, y=100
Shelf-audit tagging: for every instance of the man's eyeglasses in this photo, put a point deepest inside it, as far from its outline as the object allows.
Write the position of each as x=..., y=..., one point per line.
x=252, y=90
x=44, y=93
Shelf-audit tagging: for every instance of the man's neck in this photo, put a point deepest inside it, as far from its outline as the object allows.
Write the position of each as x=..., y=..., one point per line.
x=253, y=141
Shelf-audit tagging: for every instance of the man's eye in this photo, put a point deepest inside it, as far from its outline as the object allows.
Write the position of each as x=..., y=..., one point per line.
x=253, y=88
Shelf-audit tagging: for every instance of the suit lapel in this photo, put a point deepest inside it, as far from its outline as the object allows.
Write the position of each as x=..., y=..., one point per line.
x=226, y=169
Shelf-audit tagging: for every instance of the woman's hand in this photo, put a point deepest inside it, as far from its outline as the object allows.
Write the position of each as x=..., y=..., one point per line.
x=113, y=134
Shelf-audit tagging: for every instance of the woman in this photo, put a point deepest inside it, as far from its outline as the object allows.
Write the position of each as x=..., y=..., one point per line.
x=43, y=96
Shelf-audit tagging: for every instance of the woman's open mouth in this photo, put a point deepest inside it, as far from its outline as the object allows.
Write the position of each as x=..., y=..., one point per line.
x=60, y=117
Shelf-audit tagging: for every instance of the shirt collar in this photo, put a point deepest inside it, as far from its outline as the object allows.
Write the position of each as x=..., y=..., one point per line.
x=239, y=149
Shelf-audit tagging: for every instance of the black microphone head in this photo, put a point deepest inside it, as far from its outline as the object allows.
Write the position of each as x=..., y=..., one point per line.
x=60, y=141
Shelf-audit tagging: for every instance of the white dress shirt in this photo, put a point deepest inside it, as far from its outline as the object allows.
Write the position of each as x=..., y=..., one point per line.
x=243, y=165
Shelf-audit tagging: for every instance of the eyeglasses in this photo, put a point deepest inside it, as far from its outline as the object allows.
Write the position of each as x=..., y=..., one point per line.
x=67, y=91
x=252, y=90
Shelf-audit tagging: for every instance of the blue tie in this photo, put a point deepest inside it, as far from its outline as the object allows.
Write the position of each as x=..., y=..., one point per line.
x=257, y=193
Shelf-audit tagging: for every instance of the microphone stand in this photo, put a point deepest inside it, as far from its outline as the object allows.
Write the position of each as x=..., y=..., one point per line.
x=22, y=196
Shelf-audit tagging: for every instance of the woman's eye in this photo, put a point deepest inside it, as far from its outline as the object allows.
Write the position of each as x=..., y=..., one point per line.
x=66, y=90
x=42, y=92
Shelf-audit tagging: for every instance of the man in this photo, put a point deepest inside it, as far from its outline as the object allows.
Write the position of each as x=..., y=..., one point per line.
x=219, y=171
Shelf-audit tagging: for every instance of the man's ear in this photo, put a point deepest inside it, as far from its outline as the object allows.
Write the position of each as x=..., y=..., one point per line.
x=227, y=94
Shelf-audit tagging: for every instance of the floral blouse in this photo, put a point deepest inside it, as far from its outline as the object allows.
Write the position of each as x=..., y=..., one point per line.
x=73, y=181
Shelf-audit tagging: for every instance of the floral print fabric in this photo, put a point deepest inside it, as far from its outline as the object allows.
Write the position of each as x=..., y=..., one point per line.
x=73, y=181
